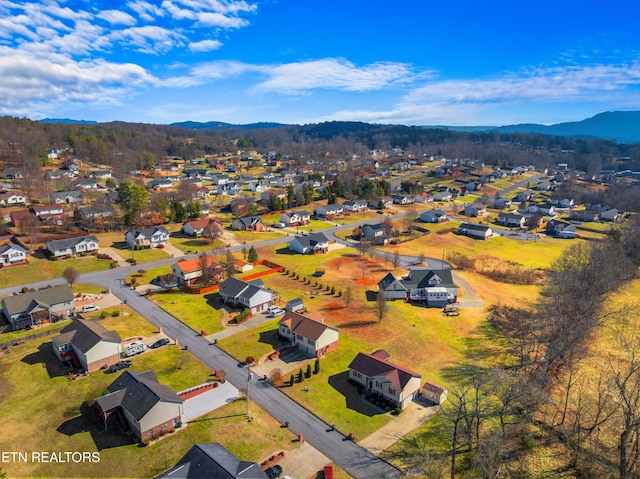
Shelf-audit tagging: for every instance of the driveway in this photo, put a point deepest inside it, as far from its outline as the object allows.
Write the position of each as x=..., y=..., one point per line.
x=209, y=400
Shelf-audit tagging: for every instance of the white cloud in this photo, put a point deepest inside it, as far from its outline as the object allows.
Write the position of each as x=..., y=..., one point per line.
x=145, y=10
x=212, y=19
x=205, y=45
x=330, y=73
x=150, y=39
x=117, y=17
x=32, y=83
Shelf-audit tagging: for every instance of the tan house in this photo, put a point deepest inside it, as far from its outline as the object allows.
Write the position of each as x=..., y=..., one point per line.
x=187, y=271
x=87, y=345
x=312, y=337
x=150, y=409
x=395, y=384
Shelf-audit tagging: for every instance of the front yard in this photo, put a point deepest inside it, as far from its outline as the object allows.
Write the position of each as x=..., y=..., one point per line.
x=45, y=411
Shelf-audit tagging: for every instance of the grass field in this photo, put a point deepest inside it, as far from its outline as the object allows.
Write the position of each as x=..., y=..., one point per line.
x=408, y=333
x=195, y=310
x=40, y=269
x=41, y=404
x=536, y=254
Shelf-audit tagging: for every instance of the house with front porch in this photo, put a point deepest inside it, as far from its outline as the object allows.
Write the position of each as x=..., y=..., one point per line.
x=87, y=345
x=355, y=206
x=248, y=223
x=431, y=287
x=475, y=210
x=433, y=216
x=41, y=306
x=66, y=198
x=72, y=246
x=377, y=375
x=295, y=218
x=150, y=409
x=511, y=220
x=196, y=228
x=309, y=243
x=252, y=295
x=152, y=237
x=310, y=336
x=331, y=210
x=475, y=231
x=12, y=251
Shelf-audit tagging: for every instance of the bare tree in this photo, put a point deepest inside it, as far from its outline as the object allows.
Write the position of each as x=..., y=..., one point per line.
x=70, y=274
x=213, y=230
x=395, y=259
x=455, y=412
x=381, y=305
x=347, y=296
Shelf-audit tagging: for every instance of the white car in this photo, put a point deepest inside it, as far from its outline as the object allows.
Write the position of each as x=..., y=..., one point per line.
x=89, y=308
x=276, y=311
x=279, y=224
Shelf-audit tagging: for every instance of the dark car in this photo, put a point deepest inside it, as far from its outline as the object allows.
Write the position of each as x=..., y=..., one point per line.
x=121, y=365
x=159, y=343
x=274, y=472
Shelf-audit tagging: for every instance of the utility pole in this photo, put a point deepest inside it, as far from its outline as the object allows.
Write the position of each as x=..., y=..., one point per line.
x=249, y=378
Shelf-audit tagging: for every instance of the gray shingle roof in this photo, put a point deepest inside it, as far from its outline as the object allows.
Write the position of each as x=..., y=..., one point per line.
x=213, y=461
x=85, y=334
x=49, y=296
x=142, y=392
x=55, y=245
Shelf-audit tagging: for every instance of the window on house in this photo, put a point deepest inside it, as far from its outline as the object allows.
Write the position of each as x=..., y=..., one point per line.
x=392, y=391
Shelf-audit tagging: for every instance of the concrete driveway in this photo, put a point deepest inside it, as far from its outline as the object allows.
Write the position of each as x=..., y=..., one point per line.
x=209, y=400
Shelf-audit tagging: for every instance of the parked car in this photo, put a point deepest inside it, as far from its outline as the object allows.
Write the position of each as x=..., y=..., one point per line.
x=161, y=246
x=89, y=308
x=276, y=312
x=120, y=365
x=159, y=343
x=274, y=471
x=278, y=224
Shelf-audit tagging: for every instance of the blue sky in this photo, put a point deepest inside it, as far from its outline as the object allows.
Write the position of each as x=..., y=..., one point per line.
x=417, y=62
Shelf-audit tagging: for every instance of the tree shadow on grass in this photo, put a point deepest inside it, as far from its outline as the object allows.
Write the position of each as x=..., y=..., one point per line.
x=340, y=382
x=88, y=421
x=46, y=358
x=371, y=295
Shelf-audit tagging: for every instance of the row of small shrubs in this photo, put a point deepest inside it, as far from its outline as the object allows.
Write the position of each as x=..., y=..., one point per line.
x=300, y=376
x=327, y=288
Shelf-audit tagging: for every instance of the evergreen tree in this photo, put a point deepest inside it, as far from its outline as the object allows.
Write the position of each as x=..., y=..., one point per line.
x=252, y=257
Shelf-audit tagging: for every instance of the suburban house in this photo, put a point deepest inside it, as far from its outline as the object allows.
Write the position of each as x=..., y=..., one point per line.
x=153, y=237
x=66, y=198
x=475, y=231
x=433, y=216
x=87, y=345
x=252, y=295
x=187, y=271
x=242, y=266
x=434, y=393
x=51, y=214
x=584, y=215
x=197, y=227
x=382, y=202
x=39, y=306
x=611, y=214
x=312, y=337
x=511, y=220
x=8, y=198
x=402, y=199
x=160, y=184
x=295, y=218
x=433, y=287
x=12, y=251
x=355, y=206
x=376, y=233
x=502, y=202
x=248, y=223
x=149, y=408
x=93, y=212
x=379, y=376
x=309, y=243
x=442, y=196
x=474, y=210
x=72, y=246
x=561, y=229
x=212, y=460
x=329, y=210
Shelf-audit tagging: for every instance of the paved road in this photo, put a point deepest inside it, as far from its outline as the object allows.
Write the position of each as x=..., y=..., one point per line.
x=351, y=457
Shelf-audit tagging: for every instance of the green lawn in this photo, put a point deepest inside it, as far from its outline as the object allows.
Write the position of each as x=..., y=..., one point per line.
x=189, y=245
x=43, y=411
x=194, y=310
x=40, y=269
